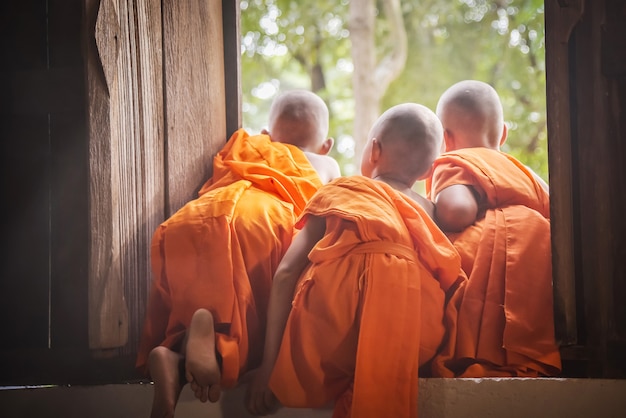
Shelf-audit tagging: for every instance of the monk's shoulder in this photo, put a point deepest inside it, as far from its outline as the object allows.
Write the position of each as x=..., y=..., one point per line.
x=327, y=167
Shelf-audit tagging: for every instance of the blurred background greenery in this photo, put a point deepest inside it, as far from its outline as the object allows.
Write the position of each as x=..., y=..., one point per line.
x=306, y=44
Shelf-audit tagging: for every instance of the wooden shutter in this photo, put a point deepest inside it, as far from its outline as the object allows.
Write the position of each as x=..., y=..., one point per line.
x=586, y=82
x=113, y=112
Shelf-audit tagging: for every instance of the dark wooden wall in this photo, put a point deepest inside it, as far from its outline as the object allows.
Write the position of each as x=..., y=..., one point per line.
x=108, y=125
x=586, y=79
x=44, y=173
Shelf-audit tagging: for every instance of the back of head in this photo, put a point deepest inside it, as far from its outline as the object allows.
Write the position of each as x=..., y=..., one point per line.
x=471, y=113
x=300, y=118
x=410, y=137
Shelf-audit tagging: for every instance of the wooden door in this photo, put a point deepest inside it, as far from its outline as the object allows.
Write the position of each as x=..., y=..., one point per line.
x=112, y=111
x=586, y=97
x=44, y=178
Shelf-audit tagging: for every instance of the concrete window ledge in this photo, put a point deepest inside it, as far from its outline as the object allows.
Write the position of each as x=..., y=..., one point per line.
x=438, y=398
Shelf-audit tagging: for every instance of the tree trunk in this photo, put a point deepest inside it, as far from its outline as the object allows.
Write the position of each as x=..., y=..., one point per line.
x=369, y=80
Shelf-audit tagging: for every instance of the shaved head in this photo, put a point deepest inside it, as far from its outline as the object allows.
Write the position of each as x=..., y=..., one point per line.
x=471, y=111
x=410, y=135
x=300, y=118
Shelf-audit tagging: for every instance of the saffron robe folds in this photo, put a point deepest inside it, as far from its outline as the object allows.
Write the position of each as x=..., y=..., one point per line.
x=500, y=322
x=220, y=251
x=368, y=310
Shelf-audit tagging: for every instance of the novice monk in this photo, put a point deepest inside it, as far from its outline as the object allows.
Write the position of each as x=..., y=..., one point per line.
x=496, y=212
x=214, y=259
x=372, y=270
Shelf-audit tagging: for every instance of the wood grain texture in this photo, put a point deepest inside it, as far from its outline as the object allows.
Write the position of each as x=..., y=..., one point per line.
x=108, y=319
x=126, y=164
x=140, y=172
x=194, y=93
x=149, y=155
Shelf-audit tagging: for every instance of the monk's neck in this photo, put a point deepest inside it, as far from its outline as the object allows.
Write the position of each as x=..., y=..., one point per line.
x=396, y=183
x=407, y=190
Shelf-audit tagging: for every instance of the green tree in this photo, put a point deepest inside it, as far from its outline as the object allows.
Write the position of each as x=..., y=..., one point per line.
x=306, y=44
x=378, y=60
x=289, y=44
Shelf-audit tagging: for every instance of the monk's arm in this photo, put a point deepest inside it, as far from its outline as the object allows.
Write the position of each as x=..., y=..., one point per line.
x=327, y=167
x=456, y=208
x=259, y=398
x=287, y=274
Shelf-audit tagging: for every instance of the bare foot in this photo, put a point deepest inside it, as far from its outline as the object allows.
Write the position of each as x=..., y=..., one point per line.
x=164, y=369
x=201, y=368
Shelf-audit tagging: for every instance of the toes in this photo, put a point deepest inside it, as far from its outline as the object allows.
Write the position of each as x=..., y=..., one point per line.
x=214, y=392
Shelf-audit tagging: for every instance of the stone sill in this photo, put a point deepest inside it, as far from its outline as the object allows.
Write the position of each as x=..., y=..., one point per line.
x=438, y=398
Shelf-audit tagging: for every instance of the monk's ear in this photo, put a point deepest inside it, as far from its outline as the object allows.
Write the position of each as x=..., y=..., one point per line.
x=504, y=134
x=327, y=146
x=448, y=141
x=375, y=151
x=265, y=131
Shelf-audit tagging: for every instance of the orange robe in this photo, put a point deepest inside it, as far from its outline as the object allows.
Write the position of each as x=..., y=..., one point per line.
x=368, y=310
x=501, y=319
x=220, y=251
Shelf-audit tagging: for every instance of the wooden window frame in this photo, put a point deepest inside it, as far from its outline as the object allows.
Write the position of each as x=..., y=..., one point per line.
x=146, y=128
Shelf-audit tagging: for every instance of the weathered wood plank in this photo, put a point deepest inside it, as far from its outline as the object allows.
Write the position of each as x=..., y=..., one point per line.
x=194, y=93
x=146, y=47
x=127, y=165
x=108, y=324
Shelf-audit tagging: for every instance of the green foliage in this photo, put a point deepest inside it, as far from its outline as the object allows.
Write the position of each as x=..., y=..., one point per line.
x=282, y=41
x=499, y=42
